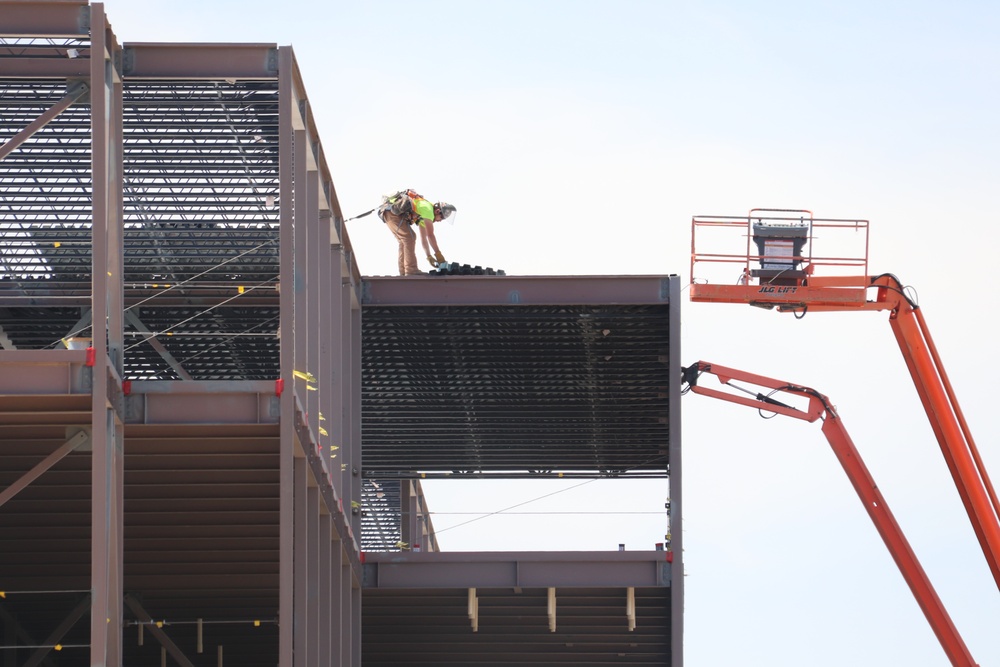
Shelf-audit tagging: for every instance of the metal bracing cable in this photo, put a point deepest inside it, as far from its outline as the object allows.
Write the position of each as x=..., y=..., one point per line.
x=198, y=314
x=532, y=500
x=246, y=332
x=180, y=284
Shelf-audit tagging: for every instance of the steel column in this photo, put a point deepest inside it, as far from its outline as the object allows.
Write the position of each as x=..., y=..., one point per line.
x=299, y=292
x=338, y=561
x=301, y=586
x=325, y=639
x=341, y=374
x=287, y=360
x=675, y=486
x=313, y=593
x=356, y=623
x=347, y=619
x=106, y=480
x=313, y=292
x=330, y=374
x=354, y=415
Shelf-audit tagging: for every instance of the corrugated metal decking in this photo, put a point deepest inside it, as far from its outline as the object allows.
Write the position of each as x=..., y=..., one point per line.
x=515, y=390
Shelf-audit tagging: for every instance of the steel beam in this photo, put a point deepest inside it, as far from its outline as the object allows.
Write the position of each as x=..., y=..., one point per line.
x=73, y=93
x=572, y=569
x=59, y=19
x=200, y=61
x=179, y=402
x=515, y=290
x=27, y=478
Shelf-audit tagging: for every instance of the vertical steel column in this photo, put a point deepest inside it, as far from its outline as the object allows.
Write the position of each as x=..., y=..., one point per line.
x=302, y=334
x=337, y=636
x=314, y=291
x=325, y=639
x=356, y=463
x=675, y=469
x=341, y=375
x=286, y=530
x=116, y=217
x=346, y=613
x=301, y=564
x=106, y=481
x=348, y=389
x=330, y=374
x=116, y=324
x=312, y=584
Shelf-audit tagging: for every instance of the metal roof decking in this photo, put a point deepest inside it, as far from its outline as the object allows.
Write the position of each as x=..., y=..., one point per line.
x=201, y=213
x=527, y=389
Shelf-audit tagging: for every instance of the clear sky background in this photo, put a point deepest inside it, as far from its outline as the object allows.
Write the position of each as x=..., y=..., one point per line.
x=579, y=137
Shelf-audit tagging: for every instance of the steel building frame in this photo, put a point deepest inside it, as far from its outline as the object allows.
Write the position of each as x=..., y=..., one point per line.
x=113, y=391
x=194, y=472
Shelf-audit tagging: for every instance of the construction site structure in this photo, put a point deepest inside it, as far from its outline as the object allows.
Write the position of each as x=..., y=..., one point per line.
x=775, y=262
x=213, y=428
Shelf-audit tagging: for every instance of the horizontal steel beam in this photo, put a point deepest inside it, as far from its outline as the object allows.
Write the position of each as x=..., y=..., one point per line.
x=196, y=402
x=200, y=61
x=515, y=290
x=51, y=19
x=575, y=569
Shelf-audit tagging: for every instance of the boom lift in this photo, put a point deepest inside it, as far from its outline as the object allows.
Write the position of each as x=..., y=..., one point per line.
x=778, y=269
x=820, y=407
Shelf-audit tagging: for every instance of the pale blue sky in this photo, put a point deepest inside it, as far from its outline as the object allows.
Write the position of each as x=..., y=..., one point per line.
x=579, y=137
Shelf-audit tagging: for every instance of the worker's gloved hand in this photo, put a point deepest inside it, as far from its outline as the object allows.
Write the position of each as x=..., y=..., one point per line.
x=433, y=261
x=439, y=257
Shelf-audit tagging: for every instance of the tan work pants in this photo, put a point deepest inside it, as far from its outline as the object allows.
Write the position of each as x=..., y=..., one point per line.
x=407, y=239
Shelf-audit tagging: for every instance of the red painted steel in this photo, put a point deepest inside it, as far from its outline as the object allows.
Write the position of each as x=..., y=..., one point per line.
x=807, y=293
x=820, y=407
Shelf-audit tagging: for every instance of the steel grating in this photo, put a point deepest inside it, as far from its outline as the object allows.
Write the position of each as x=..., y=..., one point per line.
x=200, y=222
x=515, y=390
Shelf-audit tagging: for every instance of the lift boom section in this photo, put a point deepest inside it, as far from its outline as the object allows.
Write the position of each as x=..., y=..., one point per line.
x=778, y=267
x=819, y=407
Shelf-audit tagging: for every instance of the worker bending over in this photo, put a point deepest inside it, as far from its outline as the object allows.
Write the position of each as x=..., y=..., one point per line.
x=403, y=210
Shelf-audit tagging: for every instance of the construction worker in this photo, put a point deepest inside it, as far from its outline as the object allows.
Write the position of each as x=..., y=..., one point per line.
x=400, y=212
